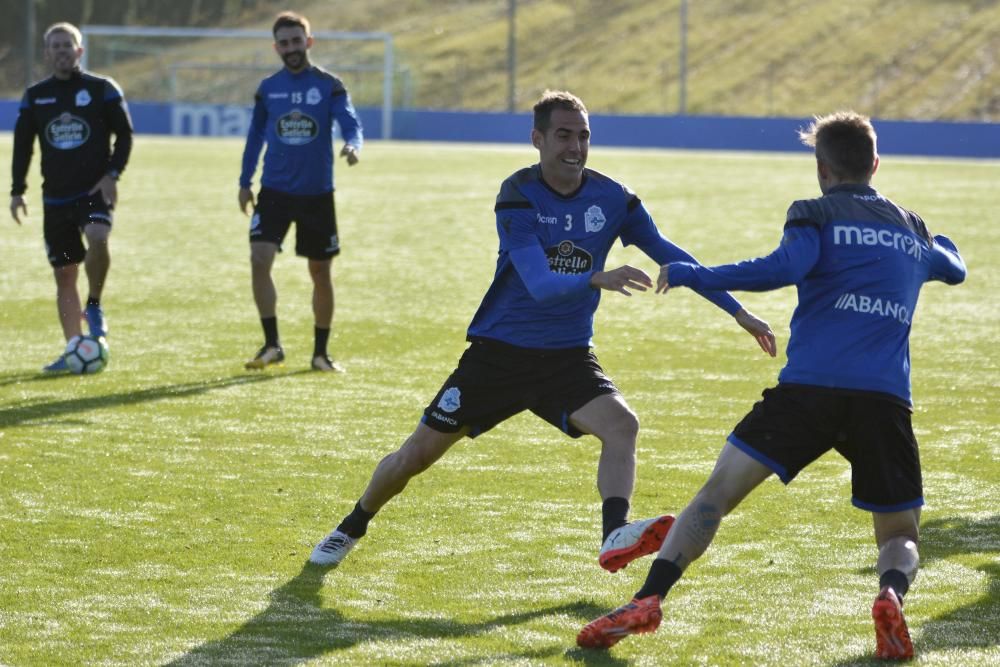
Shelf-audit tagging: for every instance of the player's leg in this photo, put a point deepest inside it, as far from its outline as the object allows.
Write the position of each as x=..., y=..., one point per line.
x=316, y=239
x=323, y=306
x=736, y=474
x=896, y=534
x=268, y=226
x=487, y=387
x=424, y=446
x=612, y=421
x=65, y=253
x=265, y=295
x=887, y=481
x=96, y=264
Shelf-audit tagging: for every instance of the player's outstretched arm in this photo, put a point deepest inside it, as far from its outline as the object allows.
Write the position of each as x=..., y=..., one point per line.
x=621, y=280
x=759, y=329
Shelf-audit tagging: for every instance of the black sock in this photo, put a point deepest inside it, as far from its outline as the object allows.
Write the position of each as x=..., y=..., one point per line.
x=662, y=575
x=614, y=512
x=320, y=336
x=355, y=524
x=896, y=580
x=270, y=325
x=93, y=301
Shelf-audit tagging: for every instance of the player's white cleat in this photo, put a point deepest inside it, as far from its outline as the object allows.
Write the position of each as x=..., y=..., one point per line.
x=634, y=540
x=332, y=549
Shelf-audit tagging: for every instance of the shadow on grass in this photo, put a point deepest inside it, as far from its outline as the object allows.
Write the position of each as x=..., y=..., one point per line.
x=975, y=625
x=46, y=410
x=295, y=628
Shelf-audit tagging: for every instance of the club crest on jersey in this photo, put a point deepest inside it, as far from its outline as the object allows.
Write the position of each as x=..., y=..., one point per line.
x=451, y=399
x=67, y=132
x=296, y=128
x=312, y=95
x=593, y=219
x=568, y=258
x=82, y=98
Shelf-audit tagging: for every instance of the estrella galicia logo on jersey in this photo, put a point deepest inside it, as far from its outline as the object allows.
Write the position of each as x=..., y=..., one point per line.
x=82, y=98
x=593, y=219
x=451, y=399
x=568, y=258
x=67, y=132
x=312, y=96
x=296, y=128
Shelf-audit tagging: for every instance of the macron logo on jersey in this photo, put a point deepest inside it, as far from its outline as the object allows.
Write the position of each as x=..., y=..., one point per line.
x=887, y=238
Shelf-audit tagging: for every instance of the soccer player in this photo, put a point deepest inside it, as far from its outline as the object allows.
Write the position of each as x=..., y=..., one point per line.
x=858, y=262
x=74, y=113
x=293, y=113
x=530, y=339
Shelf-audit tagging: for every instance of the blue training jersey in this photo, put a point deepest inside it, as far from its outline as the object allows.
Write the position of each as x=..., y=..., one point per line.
x=294, y=115
x=858, y=261
x=550, y=246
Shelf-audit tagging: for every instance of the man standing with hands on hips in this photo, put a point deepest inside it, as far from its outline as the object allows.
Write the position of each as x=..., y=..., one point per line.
x=293, y=114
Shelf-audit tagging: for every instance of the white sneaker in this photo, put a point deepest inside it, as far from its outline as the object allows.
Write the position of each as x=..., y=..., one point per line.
x=634, y=540
x=332, y=549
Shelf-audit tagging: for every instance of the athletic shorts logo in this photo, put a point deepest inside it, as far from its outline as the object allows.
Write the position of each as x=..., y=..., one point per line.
x=568, y=258
x=451, y=399
x=312, y=96
x=82, y=98
x=67, y=132
x=296, y=128
x=593, y=219
x=255, y=224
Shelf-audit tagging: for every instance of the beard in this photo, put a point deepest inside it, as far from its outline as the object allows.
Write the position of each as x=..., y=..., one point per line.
x=294, y=59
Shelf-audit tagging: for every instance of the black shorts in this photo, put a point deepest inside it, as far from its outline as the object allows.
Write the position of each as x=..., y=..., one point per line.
x=796, y=424
x=63, y=227
x=494, y=381
x=315, y=221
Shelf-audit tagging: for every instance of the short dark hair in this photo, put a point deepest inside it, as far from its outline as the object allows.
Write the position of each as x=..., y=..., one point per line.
x=290, y=20
x=555, y=99
x=846, y=142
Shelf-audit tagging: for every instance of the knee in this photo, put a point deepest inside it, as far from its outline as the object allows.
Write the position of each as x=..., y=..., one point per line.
x=623, y=430
x=408, y=461
x=97, y=235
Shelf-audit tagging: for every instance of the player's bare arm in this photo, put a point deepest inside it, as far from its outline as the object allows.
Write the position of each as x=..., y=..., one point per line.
x=245, y=197
x=621, y=280
x=662, y=283
x=350, y=152
x=759, y=329
x=108, y=187
x=17, y=202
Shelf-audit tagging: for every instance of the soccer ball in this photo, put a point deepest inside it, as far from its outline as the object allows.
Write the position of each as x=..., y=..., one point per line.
x=86, y=354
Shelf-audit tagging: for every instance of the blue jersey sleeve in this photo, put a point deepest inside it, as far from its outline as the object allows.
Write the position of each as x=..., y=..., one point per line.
x=788, y=264
x=641, y=231
x=545, y=285
x=347, y=118
x=946, y=264
x=255, y=141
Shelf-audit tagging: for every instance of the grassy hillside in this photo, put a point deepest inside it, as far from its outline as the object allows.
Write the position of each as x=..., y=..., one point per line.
x=915, y=59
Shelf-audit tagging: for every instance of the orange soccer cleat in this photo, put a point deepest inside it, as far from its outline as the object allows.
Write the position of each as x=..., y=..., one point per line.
x=636, y=617
x=892, y=638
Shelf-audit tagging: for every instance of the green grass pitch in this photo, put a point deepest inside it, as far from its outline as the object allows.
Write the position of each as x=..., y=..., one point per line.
x=162, y=511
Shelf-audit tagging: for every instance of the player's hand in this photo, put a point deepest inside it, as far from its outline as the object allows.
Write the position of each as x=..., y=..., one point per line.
x=621, y=280
x=246, y=197
x=17, y=202
x=351, y=153
x=108, y=187
x=662, y=284
x=759, y=329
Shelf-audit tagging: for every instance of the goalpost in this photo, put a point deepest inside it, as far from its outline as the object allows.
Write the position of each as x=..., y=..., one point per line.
x=182, y=63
